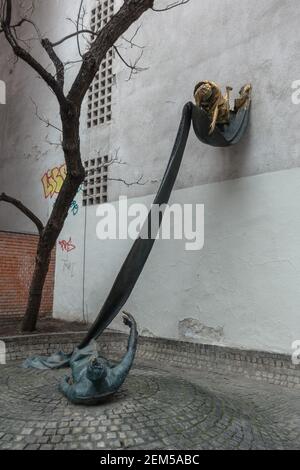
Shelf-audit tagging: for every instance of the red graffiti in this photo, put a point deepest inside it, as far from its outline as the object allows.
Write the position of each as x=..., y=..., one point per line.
x=67, y=245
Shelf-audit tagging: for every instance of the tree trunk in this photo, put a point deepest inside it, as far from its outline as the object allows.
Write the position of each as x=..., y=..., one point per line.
x=36, y=288
x=70, y=116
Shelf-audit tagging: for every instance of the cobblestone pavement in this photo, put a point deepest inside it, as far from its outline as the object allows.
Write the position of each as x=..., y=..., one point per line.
x=155, y=409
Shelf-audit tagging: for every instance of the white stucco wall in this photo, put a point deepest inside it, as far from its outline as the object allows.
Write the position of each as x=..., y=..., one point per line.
x=242, y=288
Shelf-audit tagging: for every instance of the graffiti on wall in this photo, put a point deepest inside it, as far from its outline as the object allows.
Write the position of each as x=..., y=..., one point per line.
x=74, y=208
x=68, y=267
x=67, y=246
x=53, y=180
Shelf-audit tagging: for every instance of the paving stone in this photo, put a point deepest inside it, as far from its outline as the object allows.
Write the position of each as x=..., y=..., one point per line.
x=158, y=407
x=46, y=447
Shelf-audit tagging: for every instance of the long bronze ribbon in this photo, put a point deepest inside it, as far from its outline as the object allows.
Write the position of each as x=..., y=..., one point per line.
x=138, y=255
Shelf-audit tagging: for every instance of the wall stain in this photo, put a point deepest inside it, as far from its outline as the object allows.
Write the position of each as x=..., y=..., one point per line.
x=190, y=328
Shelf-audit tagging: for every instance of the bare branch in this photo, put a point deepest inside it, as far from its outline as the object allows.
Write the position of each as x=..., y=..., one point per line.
x=171, y=5
x=27, y=20
x=19, y=205
x=78, y=32
x=77, y=27
x=72, y=35
x=134, y=69
x=5, y=23
x=59, y=66
x=138, y=182
x=43, y=119
x=57, y=145
x=131, y=40
x=130, y=11
x=115, y=160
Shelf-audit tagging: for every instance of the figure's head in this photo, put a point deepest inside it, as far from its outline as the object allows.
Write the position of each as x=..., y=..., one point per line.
x=202, y=92
x=96, y=370
x=246, y=89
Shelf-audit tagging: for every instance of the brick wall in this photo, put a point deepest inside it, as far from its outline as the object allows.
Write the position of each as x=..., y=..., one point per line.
x=17, y=255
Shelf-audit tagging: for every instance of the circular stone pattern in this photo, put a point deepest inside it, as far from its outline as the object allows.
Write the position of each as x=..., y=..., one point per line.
x=153, y=410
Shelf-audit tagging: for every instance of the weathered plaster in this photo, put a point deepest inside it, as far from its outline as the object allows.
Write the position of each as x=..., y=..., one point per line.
x=192, y=329
x=245, y=281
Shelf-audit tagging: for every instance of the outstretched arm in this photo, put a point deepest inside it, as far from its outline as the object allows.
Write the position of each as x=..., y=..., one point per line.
x=122, y=369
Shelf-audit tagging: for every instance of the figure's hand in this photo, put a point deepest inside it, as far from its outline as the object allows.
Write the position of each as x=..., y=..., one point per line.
x=132, y=339
x=128, y=320
x=65, y=384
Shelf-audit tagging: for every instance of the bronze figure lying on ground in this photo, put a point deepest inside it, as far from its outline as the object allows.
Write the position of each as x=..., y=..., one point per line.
x=93, y=377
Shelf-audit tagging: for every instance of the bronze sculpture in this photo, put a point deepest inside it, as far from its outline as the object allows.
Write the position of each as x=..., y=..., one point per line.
x=94, y=378
x=214, y=124
x=208, y=96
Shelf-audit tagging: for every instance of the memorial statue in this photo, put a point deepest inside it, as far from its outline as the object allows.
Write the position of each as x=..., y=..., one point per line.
x=93, y=377
x=208, y=96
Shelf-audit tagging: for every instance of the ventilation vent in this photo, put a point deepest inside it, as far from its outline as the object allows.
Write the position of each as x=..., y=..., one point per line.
x=95, y=183
x=100, y=92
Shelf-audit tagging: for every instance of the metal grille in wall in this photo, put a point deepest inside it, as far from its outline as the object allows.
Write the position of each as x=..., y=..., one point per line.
x=100, y=92
x=95, y=183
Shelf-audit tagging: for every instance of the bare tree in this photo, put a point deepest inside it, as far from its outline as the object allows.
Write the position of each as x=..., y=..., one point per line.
x=70, y=104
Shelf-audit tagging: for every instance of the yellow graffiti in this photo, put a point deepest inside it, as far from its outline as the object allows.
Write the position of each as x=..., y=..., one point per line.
x=53, y=180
